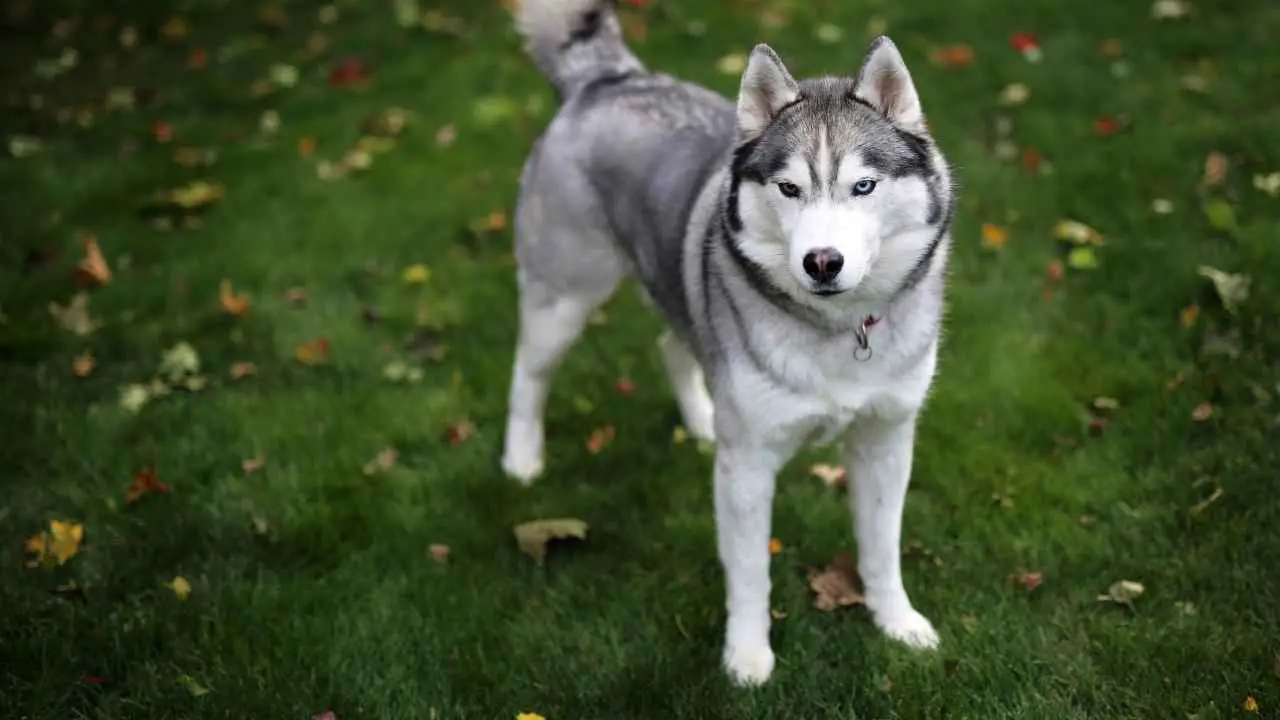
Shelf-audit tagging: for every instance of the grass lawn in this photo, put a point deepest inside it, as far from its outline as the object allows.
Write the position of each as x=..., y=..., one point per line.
x=312, y=583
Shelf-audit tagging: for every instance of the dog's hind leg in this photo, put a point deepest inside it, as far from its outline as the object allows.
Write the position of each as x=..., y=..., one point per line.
x=689, y=386
x=550, y=321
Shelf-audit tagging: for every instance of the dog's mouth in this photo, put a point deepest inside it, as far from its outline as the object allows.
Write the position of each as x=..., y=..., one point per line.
x=828, y=291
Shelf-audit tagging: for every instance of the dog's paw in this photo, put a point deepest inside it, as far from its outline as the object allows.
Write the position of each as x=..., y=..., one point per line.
x=522, y=467
x=701, y=424
x=908, y=627
x=749, y=666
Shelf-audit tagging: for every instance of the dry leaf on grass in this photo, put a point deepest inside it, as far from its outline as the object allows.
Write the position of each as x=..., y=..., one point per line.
x=313, y=352
x=837, y=585
x=1123, y=592
x=1202, y=412
x=144, y=483
x=74, y=316
x=831, y=476
x=180, y=587
x=232, y=303
x=93, y=269
x=1232, y=289
x=1215, y=169
x=382, y=462
x=440, y=553
x=56, y=545
x=253, y=464
x=533, y=536
x=192, y=685
x=242, y=370
x=82, y=365
x=599, y=438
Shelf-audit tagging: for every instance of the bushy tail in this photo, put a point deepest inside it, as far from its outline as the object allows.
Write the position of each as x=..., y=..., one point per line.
x=574, y=41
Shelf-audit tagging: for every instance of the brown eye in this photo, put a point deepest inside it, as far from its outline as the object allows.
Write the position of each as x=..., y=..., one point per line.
x=788, y=190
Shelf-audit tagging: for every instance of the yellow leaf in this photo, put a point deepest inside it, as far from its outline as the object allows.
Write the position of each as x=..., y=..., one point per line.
x=1250, y=704
x=180, y=587
x=232, y=304
x=312, y=352
x=529, y=716
x=1188, y=315
x=533, y=536
x=994, y=236
x=775, y=546
x=732, y=64
x=1076, y=232
x=56, y=545
x=416, y=274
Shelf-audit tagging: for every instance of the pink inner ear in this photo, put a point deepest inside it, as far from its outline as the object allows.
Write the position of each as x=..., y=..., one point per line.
x=889, y=87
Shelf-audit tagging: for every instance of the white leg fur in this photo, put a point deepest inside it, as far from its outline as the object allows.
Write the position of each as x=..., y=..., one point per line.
x=744, y=486
x=548, y=327
x=878, y=456
x=689, y=387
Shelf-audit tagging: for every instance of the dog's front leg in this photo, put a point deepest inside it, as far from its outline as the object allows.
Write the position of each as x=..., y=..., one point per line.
x=878, y=454
x=744, y=485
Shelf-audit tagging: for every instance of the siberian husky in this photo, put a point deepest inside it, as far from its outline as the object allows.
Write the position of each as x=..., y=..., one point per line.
x=795, y=242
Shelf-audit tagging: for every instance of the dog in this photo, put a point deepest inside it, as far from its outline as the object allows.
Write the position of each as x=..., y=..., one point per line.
x=795, y=243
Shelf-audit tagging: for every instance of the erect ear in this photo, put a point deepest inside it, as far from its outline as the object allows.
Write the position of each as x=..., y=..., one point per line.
x=885, y=83
x=766, y=88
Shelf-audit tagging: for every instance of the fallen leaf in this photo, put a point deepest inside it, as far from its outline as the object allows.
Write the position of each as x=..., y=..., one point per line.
x=1033, y=161
x=1105, y=125
x=94, y=680
x=161, y=131
x=388, y=123
x=837, y=585
x=1110, y=47
x=599, y=437
x=1215, y=169
x=1188, y=315
x=529, y=716
x=1028, y=580
x=994, y=236
x=306, y=146
x=1014, y=94
x=253, y=464
x=312, y=352
x=1161, y=206
x=400, y=371
x=732, y=64
x=439, y=553
x=830, y=475
x=194, y=157
x=195, y=194
x=952, y=56
x=192, y=685
x=775, y=546
x=134, y=396
x=459, y=432
x=57, y=545
x=197, y=59
x=382, y=462
x=24, y=146
x=1201, y=506
x=173, y=29
x=533, y=536
x=242, y=370
x=326, y=715
x=1202, y=412
x=74, y=316
x=1269, y=184
x=82, y=365
x=1077, y=233
x=231, y=303
x=1232, y=289
x=93, y=269
x=1250, y=704
x=180, y=587
x=179, y=362
x=446, y=135
x=1123, y=592
x=1170, y=9
x=144, y=483
x=416, y=274
x=349, y=72
x=1027, y=44
x=1082, y=258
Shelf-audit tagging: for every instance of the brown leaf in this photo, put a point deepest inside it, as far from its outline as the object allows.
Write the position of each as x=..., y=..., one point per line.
x=1215, y=169
x=439, y=553
x=93, y=269
x=232, y=304
x=533, y=536
x=1028, y=580
x=296, y=296
x=1202, y=412
x=599, y=438
x=459, y=432
x=313, y=352
x=253, y=464
x=82, y=365
x=1188, y=315
x=836, y=586
x=242, y=370
x=953, y=56
x=382, y=462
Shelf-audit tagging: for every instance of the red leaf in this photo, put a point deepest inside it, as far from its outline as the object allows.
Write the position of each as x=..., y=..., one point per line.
x=161, y=131
x=94, y=680
x=1029, y=580
x=1105, y=125
x=1023, y=42
x=348, y=72
x=143, y=483
x=625, y=386
x=197, y=59
x=1031, y=159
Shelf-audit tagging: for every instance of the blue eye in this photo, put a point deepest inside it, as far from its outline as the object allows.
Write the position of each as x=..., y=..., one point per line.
x=864, y=187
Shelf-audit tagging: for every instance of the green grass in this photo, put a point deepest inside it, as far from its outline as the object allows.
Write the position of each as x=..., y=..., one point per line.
x=313, y=587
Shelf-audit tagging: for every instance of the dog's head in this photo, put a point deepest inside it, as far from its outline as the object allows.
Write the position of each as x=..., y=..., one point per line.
x=838, y=191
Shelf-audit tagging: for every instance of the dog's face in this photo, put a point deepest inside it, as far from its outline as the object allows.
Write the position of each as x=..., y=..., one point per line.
x=839, y=190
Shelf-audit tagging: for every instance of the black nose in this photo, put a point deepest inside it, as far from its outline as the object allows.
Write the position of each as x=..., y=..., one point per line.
x=823, y=265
